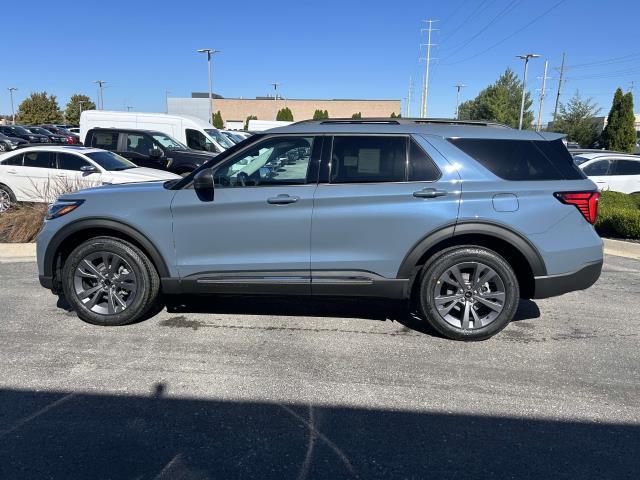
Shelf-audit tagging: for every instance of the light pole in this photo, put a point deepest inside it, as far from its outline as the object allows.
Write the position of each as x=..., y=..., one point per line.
x=13, y=113
x=166, y=101
x=80, y=102
x=275, y=96
x=100, y=84
x=458, y=87
x=526, y=58
x=209, y=52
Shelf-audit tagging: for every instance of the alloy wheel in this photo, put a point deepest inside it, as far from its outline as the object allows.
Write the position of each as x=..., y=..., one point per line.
x=5, y=200
x=469, y=295
x=105, y=283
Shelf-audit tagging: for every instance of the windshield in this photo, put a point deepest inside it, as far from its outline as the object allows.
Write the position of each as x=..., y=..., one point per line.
x=21, y=130
x=111, y=161
x=39, y=130
x=168, y=142
x=580, y=160
x=218, y=137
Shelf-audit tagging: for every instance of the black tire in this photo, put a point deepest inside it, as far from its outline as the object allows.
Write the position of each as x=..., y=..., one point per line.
x=4, y=147
x=6, y=192
x=430, y=282
x=146, y=298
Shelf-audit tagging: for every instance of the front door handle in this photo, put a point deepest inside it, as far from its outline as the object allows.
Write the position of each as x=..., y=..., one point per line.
x=282, y=199
x=429, y=193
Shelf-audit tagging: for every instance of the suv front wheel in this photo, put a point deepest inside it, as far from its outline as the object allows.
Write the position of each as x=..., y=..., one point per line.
x=468, y=293
x=110, y=282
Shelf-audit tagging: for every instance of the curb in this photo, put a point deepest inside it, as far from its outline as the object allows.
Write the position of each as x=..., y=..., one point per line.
x=26, y=252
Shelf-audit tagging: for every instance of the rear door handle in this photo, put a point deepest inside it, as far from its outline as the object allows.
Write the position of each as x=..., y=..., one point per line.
x=282, y=199
x=429, y=193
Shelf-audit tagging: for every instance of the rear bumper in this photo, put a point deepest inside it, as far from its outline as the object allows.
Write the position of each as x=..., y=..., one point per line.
x=553, y=285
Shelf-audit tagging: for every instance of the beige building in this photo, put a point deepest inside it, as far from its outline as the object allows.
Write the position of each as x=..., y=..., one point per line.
x=266, y=108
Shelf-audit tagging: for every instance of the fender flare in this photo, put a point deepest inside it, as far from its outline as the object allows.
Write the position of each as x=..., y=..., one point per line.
x=488, y=229
x=103, y=223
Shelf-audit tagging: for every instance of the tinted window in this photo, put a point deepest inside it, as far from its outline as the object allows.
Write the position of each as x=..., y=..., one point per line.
x=139, y=144
x=197, y=141
x=368, y=159
x=15, y=161
x=276, y=161
x=38, y=159
x=521, y=159
x=599, y=168
x=106, y=140
x=421, y=167
x=68, y=161
x=626, y=167
x=111, y=161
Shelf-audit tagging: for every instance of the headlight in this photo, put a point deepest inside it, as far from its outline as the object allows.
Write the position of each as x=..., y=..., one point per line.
x=31, y=137
x=62, y=207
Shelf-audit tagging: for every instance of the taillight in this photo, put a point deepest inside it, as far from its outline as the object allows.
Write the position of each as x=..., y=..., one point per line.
x=586, y=202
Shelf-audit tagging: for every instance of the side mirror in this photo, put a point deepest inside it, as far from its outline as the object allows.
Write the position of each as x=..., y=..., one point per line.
x=155, y=153
x=88, y=169
x=203, y=184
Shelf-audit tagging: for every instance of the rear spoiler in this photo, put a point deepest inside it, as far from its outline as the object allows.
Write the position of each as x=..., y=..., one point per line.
x=550, y=136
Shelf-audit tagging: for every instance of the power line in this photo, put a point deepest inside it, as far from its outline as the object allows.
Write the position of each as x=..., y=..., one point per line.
x=480, y=6
x=500, y=42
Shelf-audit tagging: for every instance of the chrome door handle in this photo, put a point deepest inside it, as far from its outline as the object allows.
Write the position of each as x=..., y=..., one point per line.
x=282, y=199
x=13, y=172
x=429, y=193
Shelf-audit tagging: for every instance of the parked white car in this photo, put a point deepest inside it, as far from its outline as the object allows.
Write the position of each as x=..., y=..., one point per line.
x=619, y=172
x=34, y=174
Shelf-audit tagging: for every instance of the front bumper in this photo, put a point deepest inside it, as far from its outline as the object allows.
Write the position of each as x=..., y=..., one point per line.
x=554, y=285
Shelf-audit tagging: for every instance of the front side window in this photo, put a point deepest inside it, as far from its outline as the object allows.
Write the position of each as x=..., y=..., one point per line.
x=626, y=167
x=167, y=142
x=597, y=169
x=139, y=144
x=105, y=140
x=219, y=137
x=198, y=141
x=275, y=161
x=68, y=161
x=368, y=159
x=38, y=159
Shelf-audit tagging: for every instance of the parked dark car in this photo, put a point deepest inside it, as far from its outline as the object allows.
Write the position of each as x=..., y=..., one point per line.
x=54, y=137
x=10, y=143
x=72, y=138
x=20, y=132
x=148, y=148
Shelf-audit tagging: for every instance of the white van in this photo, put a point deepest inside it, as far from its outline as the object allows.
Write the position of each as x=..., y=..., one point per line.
x=192, y=131
x=262, y=125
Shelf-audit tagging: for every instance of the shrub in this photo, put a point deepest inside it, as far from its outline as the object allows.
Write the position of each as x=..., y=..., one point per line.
x=619, y=215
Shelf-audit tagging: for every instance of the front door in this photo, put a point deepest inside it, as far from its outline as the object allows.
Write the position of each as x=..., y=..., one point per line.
x=253, y=236
x=137, y=148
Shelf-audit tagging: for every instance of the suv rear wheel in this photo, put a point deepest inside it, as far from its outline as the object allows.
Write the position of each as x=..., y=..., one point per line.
x=468, y=293
x=110, y=282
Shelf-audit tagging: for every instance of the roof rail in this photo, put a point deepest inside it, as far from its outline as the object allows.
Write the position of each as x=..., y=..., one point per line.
x=399, y=121
x=453, y=121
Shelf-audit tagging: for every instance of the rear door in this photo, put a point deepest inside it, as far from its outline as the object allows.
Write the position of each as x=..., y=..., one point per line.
x=38, y=176
x=625, y=175
x=378, y=196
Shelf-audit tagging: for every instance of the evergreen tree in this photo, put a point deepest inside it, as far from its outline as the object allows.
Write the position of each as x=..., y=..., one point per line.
x=217, y=120
x=285, y=115
x=393, y=115
x=357, y=115
x=318, y=114
x=577, y=119
x=499, y=102
x=326, y=114
x=72, y=110
x=39, y=108
x=620, y=133
x=246, y=123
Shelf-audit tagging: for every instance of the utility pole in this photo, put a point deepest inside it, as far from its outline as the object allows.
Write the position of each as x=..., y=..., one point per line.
x=166, y=101
x=210, y=52
x=101, y=95
x=275, y=96
x=458, y=87
x=129, y=108
x=13, y=112
x=425, y=98
x=407, y=112
x=526, y=57
x=543, y=92
x=80, y=102
x=555, y=110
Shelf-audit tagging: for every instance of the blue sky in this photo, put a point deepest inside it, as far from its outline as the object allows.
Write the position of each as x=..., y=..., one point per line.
x=328, y=49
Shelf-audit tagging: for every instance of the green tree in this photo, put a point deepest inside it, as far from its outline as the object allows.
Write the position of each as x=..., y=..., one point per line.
x=246, y=123
x=217, y=120
x=320, y=114
x=285, y=115
x=499, y=102
x=72, y=110
x=620, y=133
x=357, y=115
x=326, y=114
x=577, y=119
x=38, y=108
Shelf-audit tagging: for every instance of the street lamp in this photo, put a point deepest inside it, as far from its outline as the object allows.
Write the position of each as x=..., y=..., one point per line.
x=100, y=84
x=275, y=96
x=526, y=58
x=209, y=52
x=13, y=113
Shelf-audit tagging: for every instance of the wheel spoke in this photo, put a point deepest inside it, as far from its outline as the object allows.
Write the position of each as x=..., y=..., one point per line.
x=87, y=293
x=111, y=307
x=492, y=305
x=445, y=310
x=484, y=278
x=93, y=300
x=477, y=321
x=465, y=315
x=85, y=274
x=92, y=267
x=493, y=295
x=121, y=302
x=446, y=299
x=456, y=276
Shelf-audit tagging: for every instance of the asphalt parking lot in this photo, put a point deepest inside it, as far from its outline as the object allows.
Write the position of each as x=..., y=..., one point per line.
x=294, y=388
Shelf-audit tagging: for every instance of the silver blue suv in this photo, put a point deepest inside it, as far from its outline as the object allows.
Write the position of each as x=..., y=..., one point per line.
x=461, y=218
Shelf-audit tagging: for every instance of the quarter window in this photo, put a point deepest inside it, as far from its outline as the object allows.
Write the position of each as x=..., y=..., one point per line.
x=421, y=167
x=368, y=159
x=38, y=159
x=275, y=161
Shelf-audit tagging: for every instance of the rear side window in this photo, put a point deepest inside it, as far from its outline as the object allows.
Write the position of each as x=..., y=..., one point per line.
x=15, y=161
x=521, y=159
x=626, y=167
x=38, y=159
x=105, y=140
x=368, y=159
